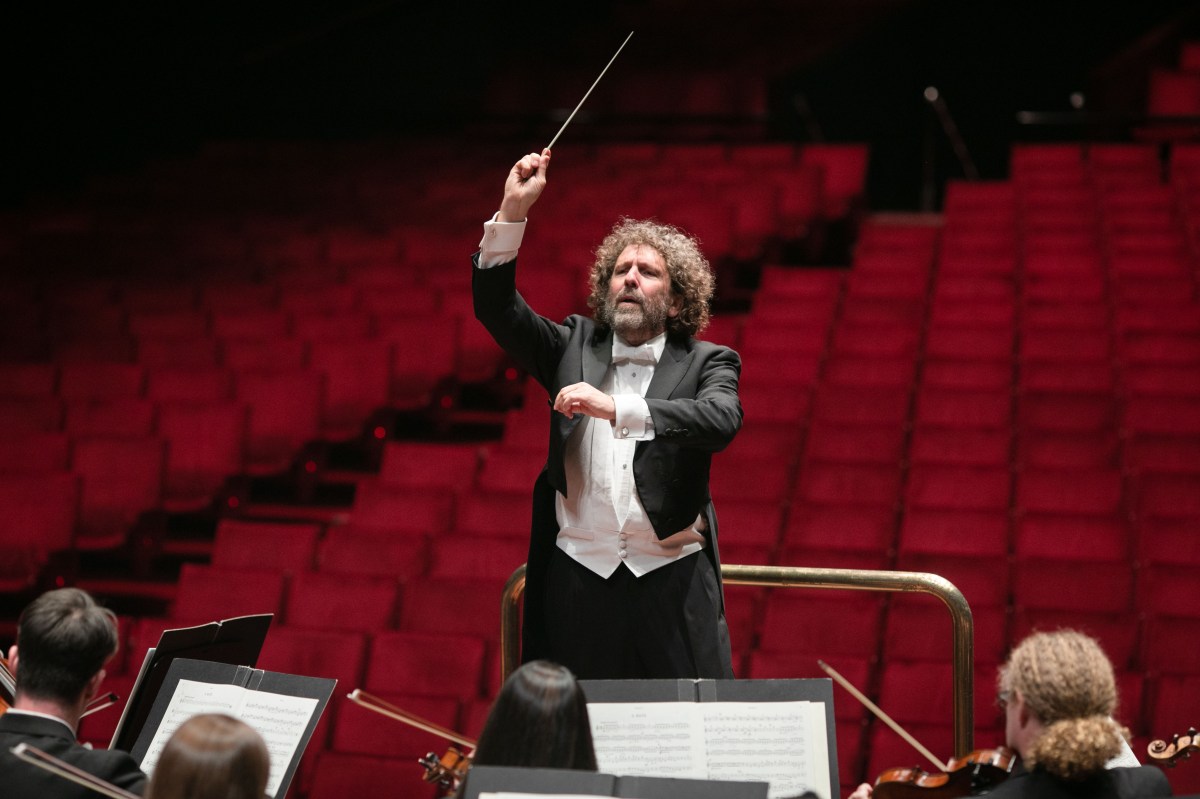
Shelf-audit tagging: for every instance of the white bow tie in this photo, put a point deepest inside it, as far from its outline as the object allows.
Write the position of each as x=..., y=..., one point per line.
x=623, y=353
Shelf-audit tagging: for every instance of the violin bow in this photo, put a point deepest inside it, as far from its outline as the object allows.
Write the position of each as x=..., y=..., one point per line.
x=884, y=717
x=589, y=91
x=99, y=703
x=46, y=762
x=372, y=702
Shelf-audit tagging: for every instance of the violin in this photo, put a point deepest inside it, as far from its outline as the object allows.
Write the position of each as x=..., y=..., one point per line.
x=447, y=771
x=973, y=773
x=1180, y=747
x=8, y=686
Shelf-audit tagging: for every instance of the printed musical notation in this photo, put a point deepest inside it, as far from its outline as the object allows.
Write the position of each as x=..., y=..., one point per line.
x=280, y=719
x=782, y=743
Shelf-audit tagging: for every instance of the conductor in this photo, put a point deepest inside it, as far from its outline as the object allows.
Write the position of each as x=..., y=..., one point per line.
x=623, y=578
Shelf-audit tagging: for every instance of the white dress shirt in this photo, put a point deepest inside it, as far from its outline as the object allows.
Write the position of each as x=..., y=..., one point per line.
x=601, y=520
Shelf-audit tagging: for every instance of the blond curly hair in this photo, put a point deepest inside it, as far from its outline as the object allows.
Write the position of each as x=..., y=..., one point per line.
x=1067, y=682
x=691, y=275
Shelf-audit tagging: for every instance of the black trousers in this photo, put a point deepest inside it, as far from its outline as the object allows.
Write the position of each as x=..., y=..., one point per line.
x=666, y=624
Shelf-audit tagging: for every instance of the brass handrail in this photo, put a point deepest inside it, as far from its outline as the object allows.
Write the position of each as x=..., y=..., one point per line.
x=962, y=624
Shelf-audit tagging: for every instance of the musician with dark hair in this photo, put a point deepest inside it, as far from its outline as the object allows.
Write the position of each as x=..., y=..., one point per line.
x=63, y=641
x=539, y=720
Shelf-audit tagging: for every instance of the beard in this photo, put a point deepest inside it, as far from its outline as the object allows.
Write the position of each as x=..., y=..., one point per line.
x=646, y=319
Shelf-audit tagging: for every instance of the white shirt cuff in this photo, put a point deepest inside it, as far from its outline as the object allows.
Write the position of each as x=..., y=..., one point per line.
x=500, y=242
x=633, y=418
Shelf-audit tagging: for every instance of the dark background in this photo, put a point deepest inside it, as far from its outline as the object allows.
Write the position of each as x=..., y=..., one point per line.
x=103, y=88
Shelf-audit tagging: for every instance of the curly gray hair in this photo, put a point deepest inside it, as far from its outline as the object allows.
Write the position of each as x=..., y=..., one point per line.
x=691, y=275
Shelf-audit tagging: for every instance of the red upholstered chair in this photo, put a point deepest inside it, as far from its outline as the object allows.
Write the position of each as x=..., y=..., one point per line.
x=358, y=374
x=79, y=380
x=420, y=463
x=268, y=352
x=351, y=552
x=121, y=416
x=205, y=445
x=821, y=621
x=121, y=478
x=40, y=512
x=500, y=514
x=401, y=509
x=940, y=407
x=209, y=594
x=337, y=654
x=432, y=664
x=34, y=451
x=28, y=380
x=284, y=413
x=467, y=606
x=802, y=665
x=488, y=559
x=507, y=469
x=1173, y=93
x=286, y=547
x=189, y=383
x=960, y=446
x=31, y=414
x=322, y=601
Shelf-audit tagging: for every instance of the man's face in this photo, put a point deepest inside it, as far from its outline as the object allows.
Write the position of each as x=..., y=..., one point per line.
x=640, y=299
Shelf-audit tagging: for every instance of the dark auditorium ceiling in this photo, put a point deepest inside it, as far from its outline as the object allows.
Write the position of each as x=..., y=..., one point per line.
x=108, y=84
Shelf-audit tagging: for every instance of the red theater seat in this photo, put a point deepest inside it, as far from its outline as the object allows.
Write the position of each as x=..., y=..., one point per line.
x=286, y=547
x=205, y=442
x=210, y=594
x=430, y=664
x=336, y=654
x=419, y=463
x=284, y=413
x=34, y=451
x=401, y=509
x=317, y=600
x=351, y=552
x=821, y=621
x=121, y=479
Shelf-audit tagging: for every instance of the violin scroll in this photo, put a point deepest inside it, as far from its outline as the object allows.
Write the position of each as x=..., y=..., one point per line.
x=1180, y=747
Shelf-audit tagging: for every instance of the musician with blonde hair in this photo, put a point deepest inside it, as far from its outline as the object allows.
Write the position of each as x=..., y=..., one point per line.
x=1059, y=695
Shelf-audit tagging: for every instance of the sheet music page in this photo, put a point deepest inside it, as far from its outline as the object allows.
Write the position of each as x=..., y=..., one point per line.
x=280, y=719
x=782, y=743
x=649, y=739
x=510, y=795
x=190, y=698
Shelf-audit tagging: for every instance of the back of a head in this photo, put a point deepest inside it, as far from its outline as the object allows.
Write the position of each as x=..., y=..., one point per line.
x=63, y=639
x=211, y=756
x=539, y=719
x=1068, y=684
